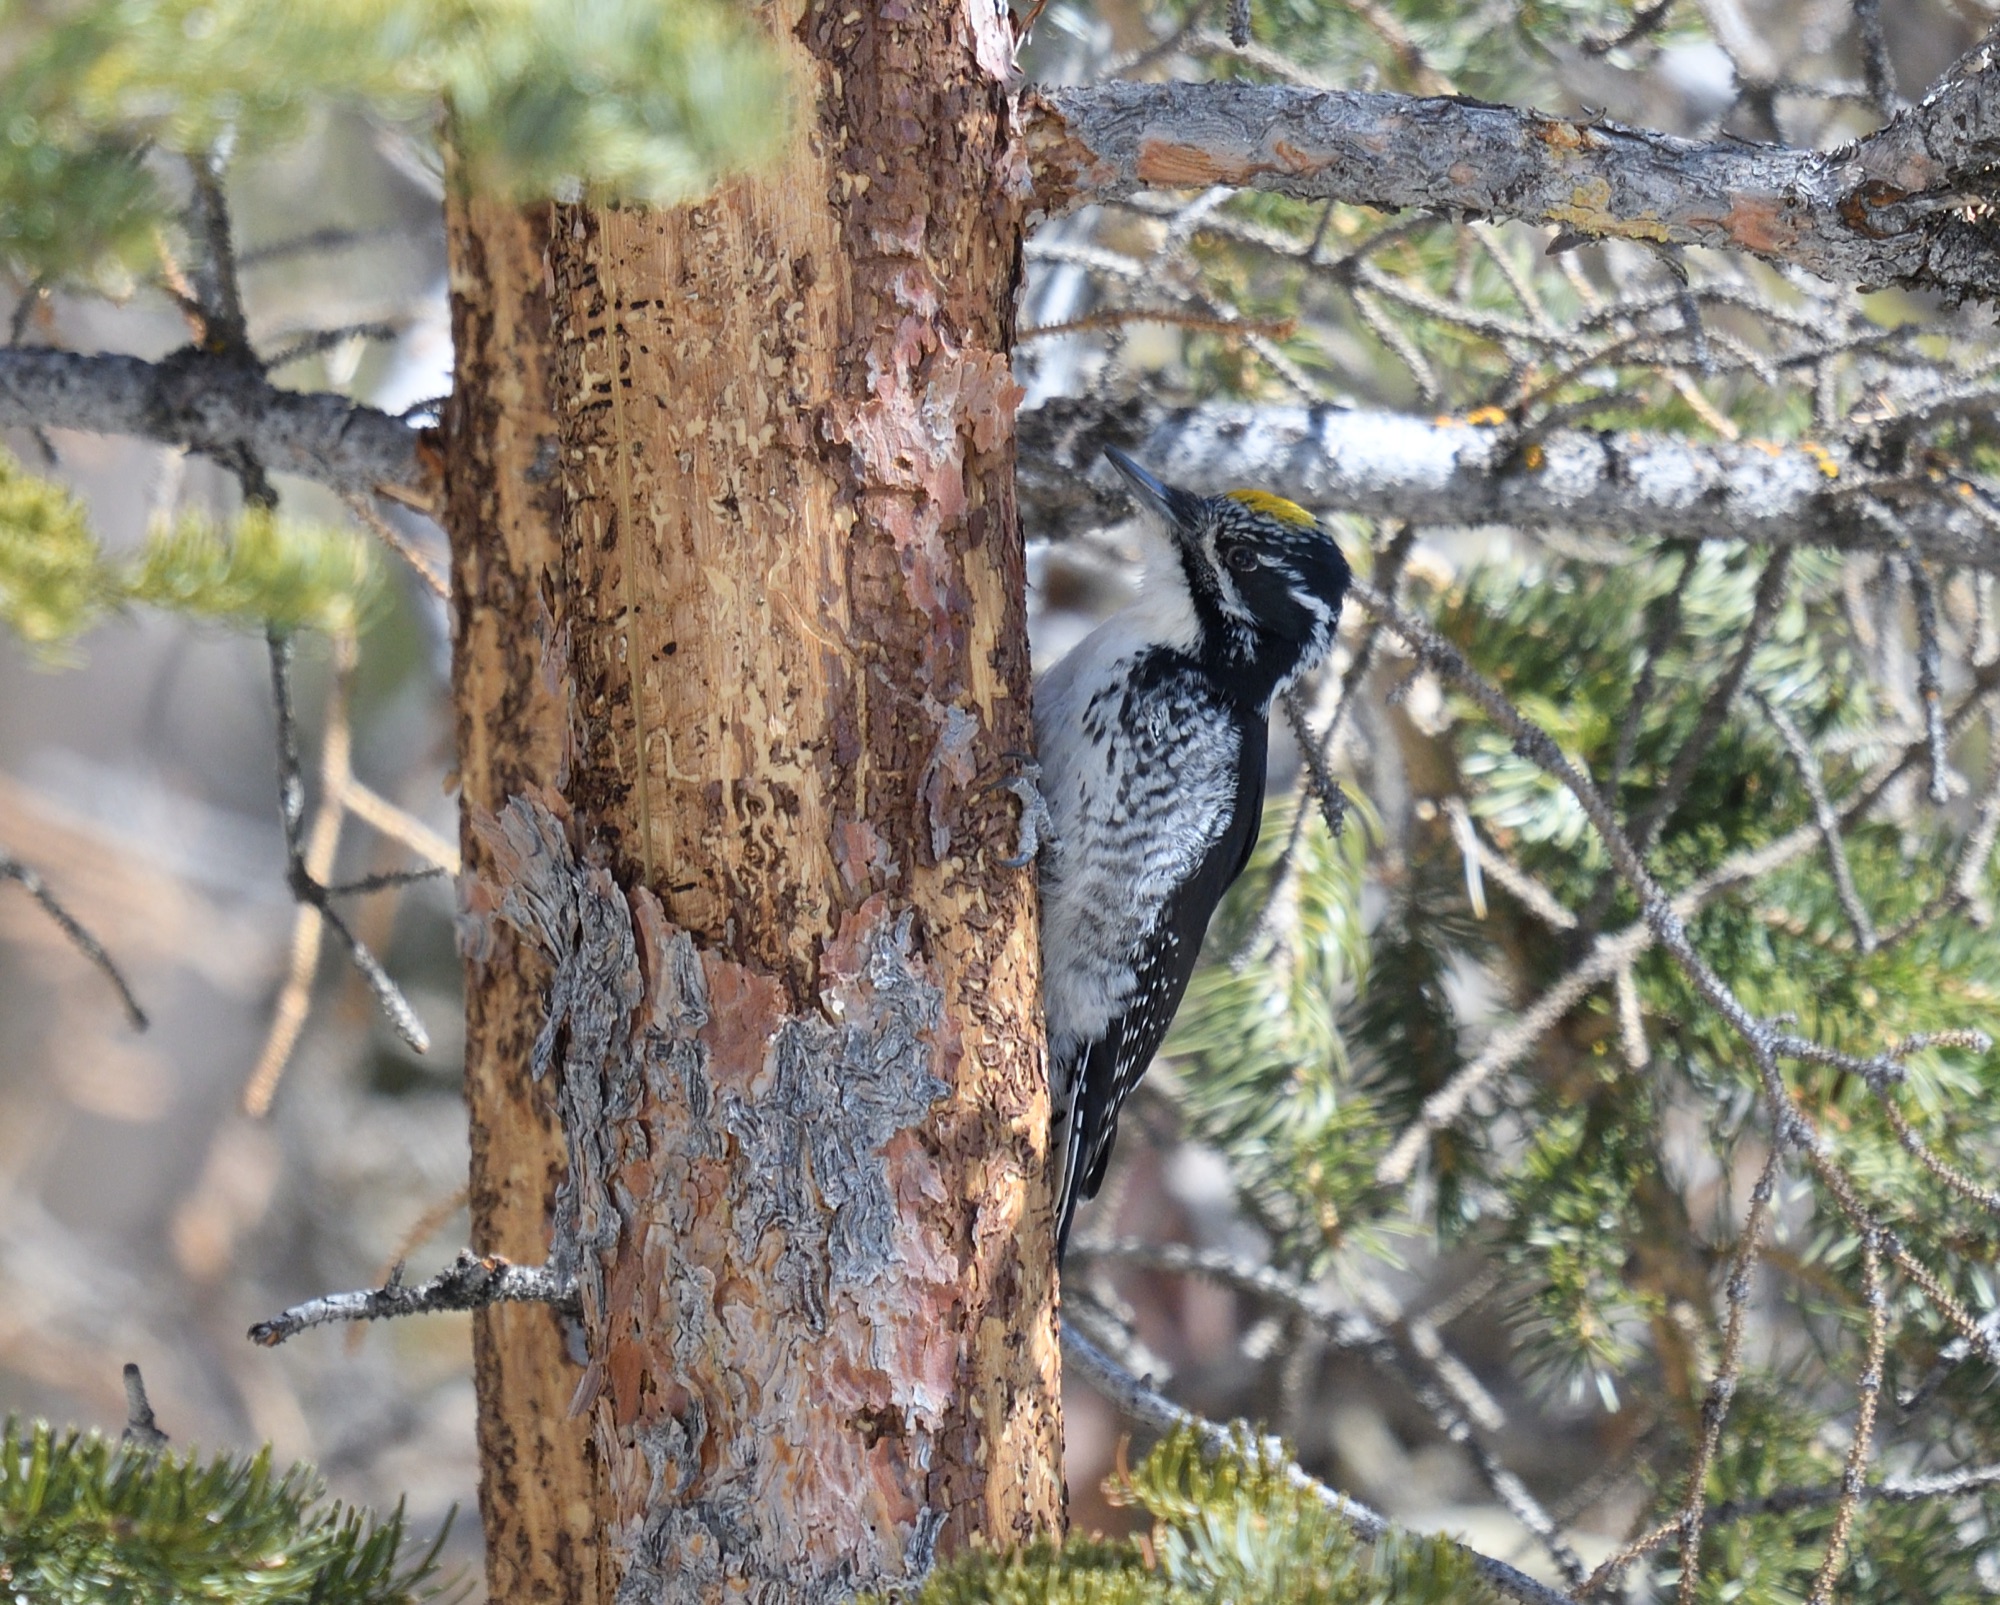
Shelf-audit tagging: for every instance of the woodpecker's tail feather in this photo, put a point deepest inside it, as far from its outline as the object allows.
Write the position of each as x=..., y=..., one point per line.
x=1066, y=1083
x=1069, y=1198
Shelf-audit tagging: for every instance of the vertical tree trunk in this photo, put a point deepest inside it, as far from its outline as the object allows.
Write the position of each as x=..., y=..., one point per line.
x=536, y=1494
x=793, y=1031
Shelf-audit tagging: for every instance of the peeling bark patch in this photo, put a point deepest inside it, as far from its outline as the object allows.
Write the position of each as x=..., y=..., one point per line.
x=951, y=764
x=926, y=406
x=1061, y=165
x=1758, y=224
x=863, y=857
x=748, y=1216
x=1173, y=165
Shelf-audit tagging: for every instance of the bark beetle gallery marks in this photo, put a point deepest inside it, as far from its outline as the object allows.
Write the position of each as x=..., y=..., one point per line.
x=794, y=1140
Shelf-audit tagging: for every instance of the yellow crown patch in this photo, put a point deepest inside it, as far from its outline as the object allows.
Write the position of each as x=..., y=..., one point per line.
x=1262, y=501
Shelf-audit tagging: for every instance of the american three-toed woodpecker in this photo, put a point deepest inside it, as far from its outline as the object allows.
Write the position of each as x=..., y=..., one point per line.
x=1150, y=736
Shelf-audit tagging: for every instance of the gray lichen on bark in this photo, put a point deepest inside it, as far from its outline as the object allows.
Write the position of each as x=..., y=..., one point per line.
x=577, y=915
x=838, y=1093
x=711, y=1132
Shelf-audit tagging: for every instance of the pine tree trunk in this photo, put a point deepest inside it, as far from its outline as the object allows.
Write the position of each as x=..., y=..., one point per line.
x=536, y=1493
x=741, y=657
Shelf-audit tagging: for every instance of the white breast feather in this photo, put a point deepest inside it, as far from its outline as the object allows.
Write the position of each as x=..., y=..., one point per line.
x=1178, y=765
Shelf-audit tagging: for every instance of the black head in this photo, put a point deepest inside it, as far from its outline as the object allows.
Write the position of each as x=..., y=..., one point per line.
x=1264, y=581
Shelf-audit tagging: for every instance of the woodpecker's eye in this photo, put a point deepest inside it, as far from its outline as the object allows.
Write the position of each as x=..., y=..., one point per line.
x=1241, y=558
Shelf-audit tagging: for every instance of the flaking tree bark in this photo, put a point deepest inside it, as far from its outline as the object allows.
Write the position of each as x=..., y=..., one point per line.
x=1907, y=205
x=740, y=656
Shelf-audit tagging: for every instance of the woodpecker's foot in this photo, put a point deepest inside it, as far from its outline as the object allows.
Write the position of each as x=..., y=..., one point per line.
x=1038, y=826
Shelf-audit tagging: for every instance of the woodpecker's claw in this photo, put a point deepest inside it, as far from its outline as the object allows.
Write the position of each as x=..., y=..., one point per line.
x=1038, y=826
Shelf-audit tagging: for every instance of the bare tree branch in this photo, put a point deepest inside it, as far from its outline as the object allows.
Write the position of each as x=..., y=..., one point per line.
x=31, y=882
x=1391, y=465
x=307, y=862
x=224, y=409
x=1901, y=1491
x=470, y=1282
x=1892, y=208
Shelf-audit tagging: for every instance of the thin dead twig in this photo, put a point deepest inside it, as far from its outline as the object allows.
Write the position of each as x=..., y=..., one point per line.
x=31, y=882
x=1687, y=1523
x=1826, y=819
x=1769, y=597
x=1658, y=639
x=1898, y=1491
x=471, y=1282
x=1180, y=317
x=1483, y=858
x=313, y=343
x=1869, y=1391
x=142, y=1427
x=419, y=560
x=1877, y=70
x=420, y=1231
x=309, y=860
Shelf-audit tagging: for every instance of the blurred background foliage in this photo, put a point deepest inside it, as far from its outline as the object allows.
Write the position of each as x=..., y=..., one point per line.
x=85, y=1520
x=618, y=98
x=1519, y=1330
x=1231, y=1527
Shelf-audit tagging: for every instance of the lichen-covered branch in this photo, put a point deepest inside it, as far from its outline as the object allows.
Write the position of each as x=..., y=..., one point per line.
x=1392, y=465
x=470, y=1282
x=1896, y=207
x=221, y=408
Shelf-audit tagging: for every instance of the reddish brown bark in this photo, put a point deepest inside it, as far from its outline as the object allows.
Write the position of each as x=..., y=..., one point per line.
x=536, y=1491
x=795, y=1041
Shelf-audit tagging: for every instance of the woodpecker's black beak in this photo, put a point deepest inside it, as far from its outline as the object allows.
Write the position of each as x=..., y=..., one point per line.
x=1176, y=508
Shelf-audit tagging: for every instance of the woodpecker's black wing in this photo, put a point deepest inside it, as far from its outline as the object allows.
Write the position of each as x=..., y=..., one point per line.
x=1165, y=959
